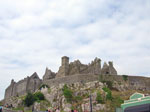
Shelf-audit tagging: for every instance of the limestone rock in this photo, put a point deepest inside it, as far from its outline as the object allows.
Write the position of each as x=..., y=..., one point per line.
x=36, y=106
x=99, y=107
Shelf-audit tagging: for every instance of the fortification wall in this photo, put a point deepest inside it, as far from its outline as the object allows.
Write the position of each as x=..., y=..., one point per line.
x=71, y=79
x=133, y=82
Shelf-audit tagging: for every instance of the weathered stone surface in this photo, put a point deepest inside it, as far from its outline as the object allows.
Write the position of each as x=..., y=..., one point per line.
x=76, y=67
x=82, y=78
x=48, y=75
x=108, y=69
x=64, y=68
x=36, y=107
x=22, y=87
x=30, y=84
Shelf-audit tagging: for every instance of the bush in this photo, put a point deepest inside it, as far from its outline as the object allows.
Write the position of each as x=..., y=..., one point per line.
x=99, y=98
x=29, y=99
x=116, y=101
x=67, y=93
x=38, y=96
x=109, y=94
x=125, y=77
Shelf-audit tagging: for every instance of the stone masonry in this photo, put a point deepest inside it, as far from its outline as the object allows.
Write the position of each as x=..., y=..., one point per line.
x=29, y=84
x=76, y=67
x=108, y=69
x=69, y=72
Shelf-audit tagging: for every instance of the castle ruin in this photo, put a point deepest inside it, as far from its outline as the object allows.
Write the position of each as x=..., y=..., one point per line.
x=69, y=72
x=29, y=84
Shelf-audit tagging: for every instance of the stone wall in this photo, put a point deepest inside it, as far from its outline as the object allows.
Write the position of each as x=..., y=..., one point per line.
x=133, y=82
x=29, y=84
x=72, y=79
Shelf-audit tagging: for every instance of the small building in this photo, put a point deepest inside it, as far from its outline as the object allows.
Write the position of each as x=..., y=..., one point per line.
x=137, y=103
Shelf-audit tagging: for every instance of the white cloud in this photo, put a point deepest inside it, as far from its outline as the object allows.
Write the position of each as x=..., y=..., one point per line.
x=36, y=33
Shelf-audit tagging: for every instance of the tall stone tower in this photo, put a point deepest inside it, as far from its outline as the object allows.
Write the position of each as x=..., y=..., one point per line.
x=64, y=68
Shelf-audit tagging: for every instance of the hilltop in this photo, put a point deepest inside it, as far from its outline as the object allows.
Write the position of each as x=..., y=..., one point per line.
x=73, y=86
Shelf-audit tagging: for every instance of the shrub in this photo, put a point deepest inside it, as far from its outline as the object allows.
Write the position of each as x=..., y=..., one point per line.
x=38, y=96
x=29, y=99
x=99, y=98
x=125, y=77
x=109, y=94
x=116, y=101
x=67, y=93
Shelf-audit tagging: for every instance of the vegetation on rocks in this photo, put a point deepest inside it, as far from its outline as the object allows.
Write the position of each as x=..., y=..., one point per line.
x=77, y=96
x=109, y=94
x=99, y=98
x=67, y=93
x=38, y=96
x=31, y=98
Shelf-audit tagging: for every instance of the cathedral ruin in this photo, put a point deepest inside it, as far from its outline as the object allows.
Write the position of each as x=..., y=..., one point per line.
x=69, y=72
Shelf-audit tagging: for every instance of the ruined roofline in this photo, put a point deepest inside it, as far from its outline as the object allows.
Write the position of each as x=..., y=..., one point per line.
x=31, y=76
x=64, y=57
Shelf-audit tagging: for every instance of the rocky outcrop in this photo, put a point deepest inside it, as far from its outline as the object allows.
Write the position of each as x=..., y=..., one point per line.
x=57, y=99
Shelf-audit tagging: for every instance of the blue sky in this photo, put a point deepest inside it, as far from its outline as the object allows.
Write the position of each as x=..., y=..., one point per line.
x=35, y=34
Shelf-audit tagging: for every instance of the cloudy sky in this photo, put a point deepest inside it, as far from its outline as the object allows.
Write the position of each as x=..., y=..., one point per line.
x=35, y=34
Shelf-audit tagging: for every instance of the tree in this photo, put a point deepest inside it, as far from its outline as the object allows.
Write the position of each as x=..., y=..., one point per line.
x=38, y=96
x=29, y=99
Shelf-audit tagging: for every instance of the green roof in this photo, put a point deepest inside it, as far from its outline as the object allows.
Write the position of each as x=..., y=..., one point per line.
x=136, y=95
x=135, y=100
